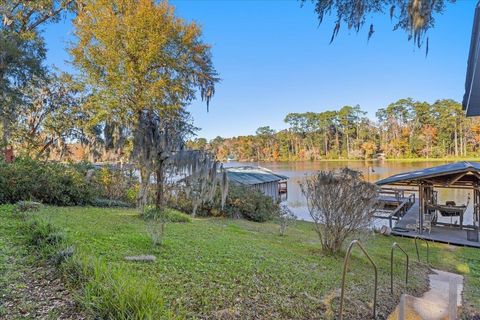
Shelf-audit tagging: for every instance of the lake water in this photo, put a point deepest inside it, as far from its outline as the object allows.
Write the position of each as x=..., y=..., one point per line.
x=372, y=171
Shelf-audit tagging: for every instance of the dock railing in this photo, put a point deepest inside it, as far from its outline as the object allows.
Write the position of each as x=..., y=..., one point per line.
x=397, y=197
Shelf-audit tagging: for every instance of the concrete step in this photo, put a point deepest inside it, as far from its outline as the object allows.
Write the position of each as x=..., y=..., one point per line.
x=419, y=309
x=440, y=302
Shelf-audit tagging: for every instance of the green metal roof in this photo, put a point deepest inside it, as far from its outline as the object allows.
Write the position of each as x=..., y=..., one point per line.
x=252, y=175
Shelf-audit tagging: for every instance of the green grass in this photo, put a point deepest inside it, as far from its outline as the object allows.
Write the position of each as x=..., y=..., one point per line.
x=13, y=255
x=220, y=267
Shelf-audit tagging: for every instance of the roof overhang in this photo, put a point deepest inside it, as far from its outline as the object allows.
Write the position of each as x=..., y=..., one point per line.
x=248, y=175
x=454, y=175
x=471, y=98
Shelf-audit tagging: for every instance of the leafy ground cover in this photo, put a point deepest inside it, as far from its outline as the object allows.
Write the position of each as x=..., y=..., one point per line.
x=225, y=269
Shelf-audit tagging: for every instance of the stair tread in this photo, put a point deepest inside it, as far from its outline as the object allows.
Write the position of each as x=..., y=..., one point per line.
x=435, y=303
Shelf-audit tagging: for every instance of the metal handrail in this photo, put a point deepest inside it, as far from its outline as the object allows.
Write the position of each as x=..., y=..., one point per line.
x=349, y=250
x=416, y=247
x=391, y=266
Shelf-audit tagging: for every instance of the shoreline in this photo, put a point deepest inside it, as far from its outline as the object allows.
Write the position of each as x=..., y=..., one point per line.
x=362, y=160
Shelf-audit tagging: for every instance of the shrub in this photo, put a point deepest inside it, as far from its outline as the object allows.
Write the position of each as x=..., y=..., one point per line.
x=116, y=184
x=177, y=216
x=156, y=220
x=62, y=255
x=285, y=216
x=250, y=204
x=109, y=203
x=27, y=206
x=132, y=194
x=340, y=203
x=46, y=182
x=242, y=202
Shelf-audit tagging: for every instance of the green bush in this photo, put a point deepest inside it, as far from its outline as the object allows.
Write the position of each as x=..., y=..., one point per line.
x=250, y=204
x=46, y=182
x=242, y=202
x=109, y=203
x=116, y=184
x=27, y=206
x=177, y=216
x=132, y=194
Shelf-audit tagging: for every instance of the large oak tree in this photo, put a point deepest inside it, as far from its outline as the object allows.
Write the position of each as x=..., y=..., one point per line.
x=144, y=66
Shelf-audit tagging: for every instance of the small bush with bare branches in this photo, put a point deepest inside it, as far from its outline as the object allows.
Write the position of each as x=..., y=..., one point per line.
x=156, y=221
x=285, y=217
x=340, y=203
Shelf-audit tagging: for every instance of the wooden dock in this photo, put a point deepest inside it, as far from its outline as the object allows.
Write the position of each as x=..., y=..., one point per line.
x=443, y=234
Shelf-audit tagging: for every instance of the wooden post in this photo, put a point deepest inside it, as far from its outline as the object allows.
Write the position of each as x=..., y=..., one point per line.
x=421, y=207
x=476, y=198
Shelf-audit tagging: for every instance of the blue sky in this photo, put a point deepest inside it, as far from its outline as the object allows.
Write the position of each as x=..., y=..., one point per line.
x=273, y=59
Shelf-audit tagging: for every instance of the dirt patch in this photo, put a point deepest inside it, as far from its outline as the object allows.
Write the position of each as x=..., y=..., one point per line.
x=470, y=312
x=38, y=293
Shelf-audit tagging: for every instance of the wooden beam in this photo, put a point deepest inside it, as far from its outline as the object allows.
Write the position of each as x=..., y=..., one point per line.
x=476, y=174
x=455, y=179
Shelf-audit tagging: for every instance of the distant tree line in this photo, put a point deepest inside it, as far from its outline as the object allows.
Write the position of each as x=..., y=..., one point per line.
x=403, y=129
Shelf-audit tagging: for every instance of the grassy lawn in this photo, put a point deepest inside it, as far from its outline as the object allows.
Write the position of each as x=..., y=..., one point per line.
x=221, y=268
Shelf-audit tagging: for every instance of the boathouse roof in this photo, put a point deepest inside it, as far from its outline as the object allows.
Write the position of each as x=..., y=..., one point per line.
x=249, y=175
x=458, y=174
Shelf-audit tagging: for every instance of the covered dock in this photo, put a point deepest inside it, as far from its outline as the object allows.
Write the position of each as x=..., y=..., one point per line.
x=268, y=182
x=430, y=219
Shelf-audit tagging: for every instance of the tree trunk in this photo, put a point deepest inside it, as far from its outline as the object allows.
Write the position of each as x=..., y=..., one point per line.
x=143, y=192
x=455, y=139
x=348, y=146
x=159, y=196
x=6, y=128
x=325, y=142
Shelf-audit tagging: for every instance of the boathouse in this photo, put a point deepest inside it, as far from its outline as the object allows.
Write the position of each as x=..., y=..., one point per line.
x=269, y=183
x=434, y=220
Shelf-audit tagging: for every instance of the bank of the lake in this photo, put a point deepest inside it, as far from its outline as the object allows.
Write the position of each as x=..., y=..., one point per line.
x=446, y=159
x=214, y=268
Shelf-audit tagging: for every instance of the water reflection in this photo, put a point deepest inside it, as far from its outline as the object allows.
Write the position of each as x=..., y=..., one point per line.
x=372, y=171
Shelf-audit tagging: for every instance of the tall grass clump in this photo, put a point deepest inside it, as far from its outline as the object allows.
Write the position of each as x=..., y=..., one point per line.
x=114, y=292
x=44, y=239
